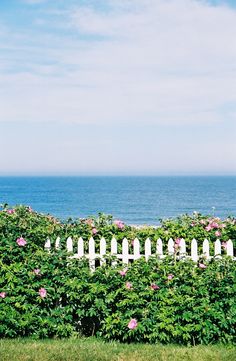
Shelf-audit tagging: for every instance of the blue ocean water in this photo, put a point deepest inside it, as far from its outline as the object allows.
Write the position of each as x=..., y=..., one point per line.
x=135, y=200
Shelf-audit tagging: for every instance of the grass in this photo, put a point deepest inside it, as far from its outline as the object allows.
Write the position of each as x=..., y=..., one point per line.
x=91, y=349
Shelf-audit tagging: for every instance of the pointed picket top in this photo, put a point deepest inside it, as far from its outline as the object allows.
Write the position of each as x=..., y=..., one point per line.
x=113, y=246
x=57, y=243
x=182, y=247
x=217, y=246
x=47, y=245
x=194, y=253
x=91, y=247
x=80, y=247
x=148, y=248
x=125, y=251
x=171, y=247
x=230, y=248
x=91, y=254
x=206, y=248
x=103, y=246
x=136, y=249
x=69, y=244
x=159, y=247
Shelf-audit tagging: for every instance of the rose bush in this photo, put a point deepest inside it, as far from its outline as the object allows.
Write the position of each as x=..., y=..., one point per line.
x=47, y=294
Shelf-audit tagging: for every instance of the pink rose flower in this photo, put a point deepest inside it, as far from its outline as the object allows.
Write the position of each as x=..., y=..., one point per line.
x=42, y=292
x=128, y=285
x=21, y=242
x=94, y=231
x=10, y=211
x=132, y=324
x=224, y=245
x=222, y=225
x=154, y=286
x=123, y=272
x=208, y=228
x=202, y=265
x=217, y=233
x=170, y=276
x=214, y=225
x=2, y=294
x=37, y=271
x=192, y=224
x=119, y=224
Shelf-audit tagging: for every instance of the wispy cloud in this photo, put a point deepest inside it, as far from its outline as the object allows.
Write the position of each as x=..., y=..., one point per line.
x=142, y=61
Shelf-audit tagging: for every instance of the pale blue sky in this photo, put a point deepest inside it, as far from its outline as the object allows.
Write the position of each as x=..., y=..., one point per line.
x=117, y=87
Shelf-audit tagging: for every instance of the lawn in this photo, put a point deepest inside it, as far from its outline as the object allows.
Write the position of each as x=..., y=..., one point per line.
x=91, y=349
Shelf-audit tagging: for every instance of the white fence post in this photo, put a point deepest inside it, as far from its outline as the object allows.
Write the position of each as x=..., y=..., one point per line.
x=171, y=247
x=182, y=248
x=217, y=247
x=57, y=243
x=159, y=248
x=47, y=245
x=114, y=250
x=136, y=249
x=91, y=254
x=80, y=247
x=148, y=249
x=230, y=248
x=102, y=250
x=206, y=248
x=69, y=244
x=194, y=254
x=125, y=251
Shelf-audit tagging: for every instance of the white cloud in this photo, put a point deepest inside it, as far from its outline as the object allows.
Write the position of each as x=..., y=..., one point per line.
x=144, y=61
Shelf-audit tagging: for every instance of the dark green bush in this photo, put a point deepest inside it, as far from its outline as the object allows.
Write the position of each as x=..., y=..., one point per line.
x=46, y=294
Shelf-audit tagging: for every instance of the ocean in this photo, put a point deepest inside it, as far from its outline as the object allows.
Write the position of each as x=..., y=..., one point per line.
x=135, y=200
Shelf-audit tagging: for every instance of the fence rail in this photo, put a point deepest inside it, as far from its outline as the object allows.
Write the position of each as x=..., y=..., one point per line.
x=172, y=248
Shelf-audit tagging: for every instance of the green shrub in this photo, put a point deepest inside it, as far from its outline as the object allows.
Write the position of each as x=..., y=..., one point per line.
x=46, y=294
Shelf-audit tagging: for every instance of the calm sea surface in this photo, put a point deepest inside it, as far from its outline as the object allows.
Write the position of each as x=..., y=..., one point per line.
x=135, y=200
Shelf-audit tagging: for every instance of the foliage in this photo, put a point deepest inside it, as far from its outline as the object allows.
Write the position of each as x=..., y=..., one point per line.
x=47, y=294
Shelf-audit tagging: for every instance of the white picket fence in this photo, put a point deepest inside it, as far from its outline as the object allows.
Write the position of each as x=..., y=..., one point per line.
x=125, y=256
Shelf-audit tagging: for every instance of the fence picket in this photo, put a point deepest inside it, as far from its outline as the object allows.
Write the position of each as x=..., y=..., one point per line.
x=80, y=250
x=159, y=247
x=148, y=249
x=91, y=254
x=114, y=250
x=182, y=248
x=230, y=248
x=194, y=253
x=125, y=251
x=102, y=250
x=217, y=246
x=136, y=249
x=171, y=247
x=57, y=243
x=47, y=245
x=69, y=244
x=206, y=248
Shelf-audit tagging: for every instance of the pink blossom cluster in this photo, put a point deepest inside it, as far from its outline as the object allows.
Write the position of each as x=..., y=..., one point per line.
x=21, y=242
x=42, y=292
x=129, y=285
x=177, y=243
x=154, y=287
x=10, y=211
x=123, y=272
x=2, y=294
x=119, y=224
x=132, y=324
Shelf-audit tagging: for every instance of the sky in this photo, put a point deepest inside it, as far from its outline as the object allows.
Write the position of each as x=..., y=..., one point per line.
x=111, y=87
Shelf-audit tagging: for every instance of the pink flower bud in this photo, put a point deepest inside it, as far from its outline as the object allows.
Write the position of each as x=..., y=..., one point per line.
x=2, y=294
x=42, y=292
x=132, y=324
x=21, y=242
